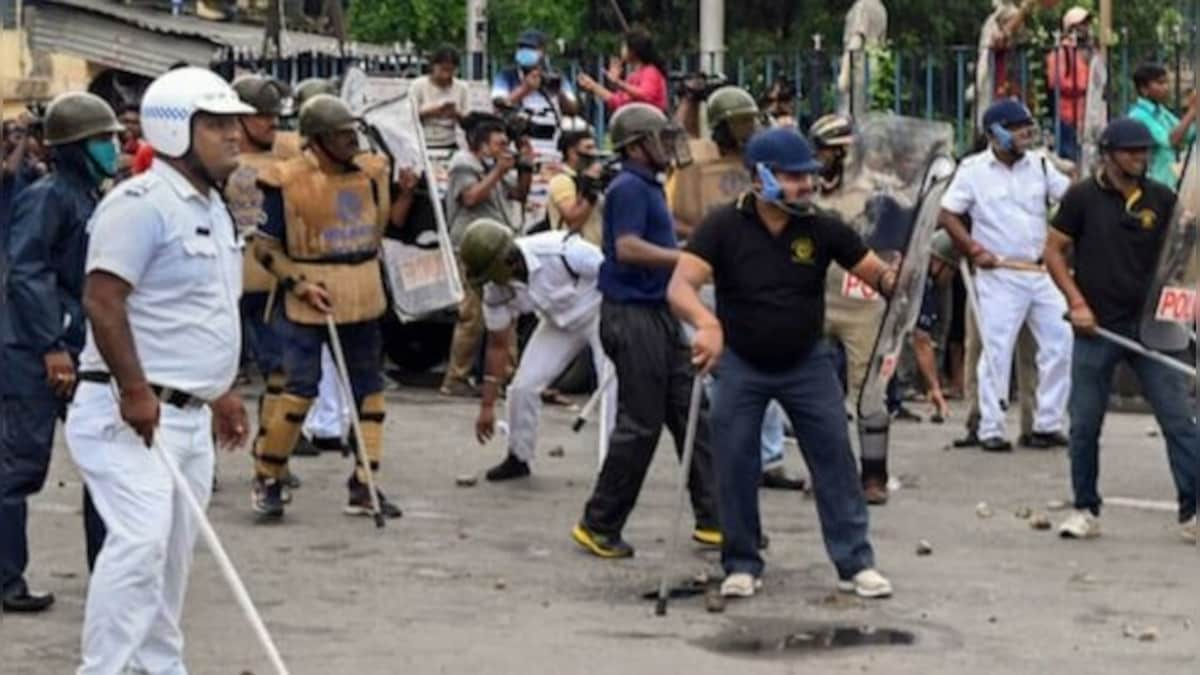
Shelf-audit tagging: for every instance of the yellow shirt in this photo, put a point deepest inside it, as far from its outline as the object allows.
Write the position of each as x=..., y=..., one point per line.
x=563, y=191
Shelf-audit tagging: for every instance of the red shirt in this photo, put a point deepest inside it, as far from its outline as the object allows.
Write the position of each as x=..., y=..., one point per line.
x=648, y=85
x=1071, y=78
x=143, y=158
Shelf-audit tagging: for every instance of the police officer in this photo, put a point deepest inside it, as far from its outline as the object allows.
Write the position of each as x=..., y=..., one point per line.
x=717, y=176
x=1007, y=190
x=326, y=212
x=550, y=273
x=643, y=339
x=47, y=243
x=161, y=296
x=1116, y=223
x=853, y=310
x=287, y=143
x=767, y=254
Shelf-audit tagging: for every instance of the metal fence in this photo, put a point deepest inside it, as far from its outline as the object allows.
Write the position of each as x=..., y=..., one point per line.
x=934, y=83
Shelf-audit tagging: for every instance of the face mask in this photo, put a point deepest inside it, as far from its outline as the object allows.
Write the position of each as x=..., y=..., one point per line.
x=528, y=58
x=103, y=154
x=772, y=192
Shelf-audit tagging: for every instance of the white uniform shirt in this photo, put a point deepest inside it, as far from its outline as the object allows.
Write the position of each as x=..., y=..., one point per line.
x=562, y=284
x=1007, y=205
x=178, y=251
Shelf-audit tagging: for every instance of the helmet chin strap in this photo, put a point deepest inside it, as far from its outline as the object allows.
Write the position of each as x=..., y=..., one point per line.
x=347, y=164
x=263, y=147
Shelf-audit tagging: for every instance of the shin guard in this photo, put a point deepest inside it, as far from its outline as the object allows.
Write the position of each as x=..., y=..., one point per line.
x=281, y=430
x=873, y=445
x=370, y=419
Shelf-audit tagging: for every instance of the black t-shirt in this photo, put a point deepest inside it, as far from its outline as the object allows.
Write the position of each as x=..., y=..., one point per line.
x=1116, y=247
x=771, y=290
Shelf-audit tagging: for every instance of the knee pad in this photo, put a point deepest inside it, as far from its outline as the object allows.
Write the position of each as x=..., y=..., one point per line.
x=279, y=434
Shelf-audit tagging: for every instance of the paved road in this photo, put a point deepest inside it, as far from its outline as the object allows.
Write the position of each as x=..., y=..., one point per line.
x=486, y=580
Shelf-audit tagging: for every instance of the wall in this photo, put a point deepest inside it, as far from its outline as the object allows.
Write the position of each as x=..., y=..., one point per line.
x=21, y=82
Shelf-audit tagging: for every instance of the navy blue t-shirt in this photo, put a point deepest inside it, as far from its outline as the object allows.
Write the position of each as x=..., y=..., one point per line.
x=635, y=205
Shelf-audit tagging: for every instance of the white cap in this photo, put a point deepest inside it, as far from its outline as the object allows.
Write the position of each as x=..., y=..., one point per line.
x=173, y=99
x=1075, y=16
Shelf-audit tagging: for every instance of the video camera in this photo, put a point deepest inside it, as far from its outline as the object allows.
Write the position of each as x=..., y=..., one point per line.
x=696, y=86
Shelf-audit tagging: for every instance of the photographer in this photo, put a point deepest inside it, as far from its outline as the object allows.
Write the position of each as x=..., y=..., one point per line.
x=441, y=99
x=481, y=186
x=646, y=84
x=536, y=90
x=575, y=193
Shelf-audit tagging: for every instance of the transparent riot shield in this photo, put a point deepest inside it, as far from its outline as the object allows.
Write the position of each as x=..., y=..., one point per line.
x=1095, y=114
x=420, y=269
x=1169, y=315
x=905, y=305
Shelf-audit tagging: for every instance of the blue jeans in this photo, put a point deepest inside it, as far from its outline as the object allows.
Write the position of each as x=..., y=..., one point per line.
x=363, y=346
x=772, y=428
x=1166, y=390
x=259, y=341
x=809, y=393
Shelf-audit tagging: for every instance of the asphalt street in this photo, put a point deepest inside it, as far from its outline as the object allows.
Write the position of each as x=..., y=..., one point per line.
x=486, y=579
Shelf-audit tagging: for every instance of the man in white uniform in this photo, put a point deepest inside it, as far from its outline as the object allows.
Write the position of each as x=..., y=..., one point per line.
x=164, y=272
x=1007, y=193
x=553, y=274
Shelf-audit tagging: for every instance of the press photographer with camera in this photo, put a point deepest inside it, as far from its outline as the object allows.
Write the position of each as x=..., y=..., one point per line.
x=646, y=84
x=575, y=194
x=533, y=88
x=484, y=180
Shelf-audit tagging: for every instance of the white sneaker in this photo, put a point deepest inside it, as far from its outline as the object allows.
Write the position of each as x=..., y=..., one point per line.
x=740, y=585
x=1189, y=531
x=868, y=583
x=1080, y=525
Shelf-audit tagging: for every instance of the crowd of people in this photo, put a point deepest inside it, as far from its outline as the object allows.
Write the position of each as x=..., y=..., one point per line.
x=718, y=245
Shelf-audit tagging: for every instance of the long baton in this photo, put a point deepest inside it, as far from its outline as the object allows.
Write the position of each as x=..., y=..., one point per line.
x=224, y=563
x=685, y=470
x=348, y=395
x=610, y=374
x=1142, y=350
x=973, y=298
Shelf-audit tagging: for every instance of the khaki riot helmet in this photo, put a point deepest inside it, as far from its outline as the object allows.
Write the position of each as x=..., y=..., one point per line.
x=733, y=116
x=324, y=114
x=264, y=94
x=76, y=116
x=313, y=86
x=486, y=249
x=729, y=102
x=636, y=122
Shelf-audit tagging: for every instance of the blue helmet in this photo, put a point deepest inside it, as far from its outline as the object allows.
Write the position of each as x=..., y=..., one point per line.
x=1007, y=112
x=781, y=149
x=1126, y=133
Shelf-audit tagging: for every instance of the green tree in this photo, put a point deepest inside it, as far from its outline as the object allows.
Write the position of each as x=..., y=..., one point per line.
x=427, y=23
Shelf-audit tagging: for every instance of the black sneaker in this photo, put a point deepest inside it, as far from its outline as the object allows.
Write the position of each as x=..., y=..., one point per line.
x=777, y=479
x=971, y=440
x=305, y=448
x=996, y=444
x=510, y=468
x=360, y=504
x=267, y=497
x=1044, y=440
x=329, y=444
x=903, y=414
x=601, y=545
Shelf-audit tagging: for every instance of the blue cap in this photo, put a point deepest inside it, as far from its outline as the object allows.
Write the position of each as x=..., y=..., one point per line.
x=1126, y=133
x=532, y=38
x=1007, y=112
x=781, y=149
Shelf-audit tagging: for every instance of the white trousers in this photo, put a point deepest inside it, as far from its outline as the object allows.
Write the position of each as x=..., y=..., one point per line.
x=549, y=351
x=135, y=597
x=329, y=417
x=1007, y=300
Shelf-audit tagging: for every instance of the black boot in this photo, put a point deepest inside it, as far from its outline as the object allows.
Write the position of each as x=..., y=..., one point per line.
x=510, y=468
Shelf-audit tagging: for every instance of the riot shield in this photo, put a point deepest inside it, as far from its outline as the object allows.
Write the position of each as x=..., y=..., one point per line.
x=905, y=305
x=1169, y=315
x=1095, y=114
x=420, y=270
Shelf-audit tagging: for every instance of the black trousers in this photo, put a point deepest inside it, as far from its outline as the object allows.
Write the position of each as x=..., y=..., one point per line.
x=654, y=382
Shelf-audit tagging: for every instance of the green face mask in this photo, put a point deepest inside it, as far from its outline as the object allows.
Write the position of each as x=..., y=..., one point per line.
x=103, y=152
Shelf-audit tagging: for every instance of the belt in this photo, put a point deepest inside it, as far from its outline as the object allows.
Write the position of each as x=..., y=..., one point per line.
x=173, y=397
